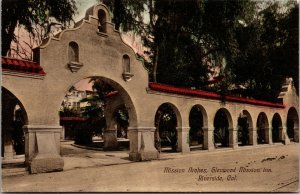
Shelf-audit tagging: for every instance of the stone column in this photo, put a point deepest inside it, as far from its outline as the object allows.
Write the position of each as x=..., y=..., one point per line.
x=233, y=138
x=9, y=151
x=8, y=105
x=110, y=136
x=142, y=144
x=7, y=130
x=296, y=134
x=252, y=136
x=62, y=133
x=268, y=135
x=208, y=141
x=285, y=138
x=42, y=148
x=183, y=139
x=281, y=134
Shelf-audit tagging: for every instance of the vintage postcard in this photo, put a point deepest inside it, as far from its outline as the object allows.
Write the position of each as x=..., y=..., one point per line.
x=150, y=96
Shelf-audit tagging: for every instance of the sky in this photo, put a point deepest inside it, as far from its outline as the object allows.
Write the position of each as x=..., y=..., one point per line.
x=82, y=6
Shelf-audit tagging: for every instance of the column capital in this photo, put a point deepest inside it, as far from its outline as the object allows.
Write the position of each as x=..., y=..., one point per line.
x=232, y=129
x=182, y=128
x=42, y=128
x=141, y=129
x=210, y=128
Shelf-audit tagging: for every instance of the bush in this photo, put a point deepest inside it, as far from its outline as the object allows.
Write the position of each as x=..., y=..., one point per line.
x=83, y=134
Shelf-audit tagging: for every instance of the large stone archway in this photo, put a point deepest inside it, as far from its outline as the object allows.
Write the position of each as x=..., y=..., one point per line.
x=123, y=98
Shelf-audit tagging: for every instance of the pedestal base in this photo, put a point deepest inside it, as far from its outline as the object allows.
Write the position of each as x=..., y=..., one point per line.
x=144, y=156
x=46, y=163
x=42, y=148
x=142, y=144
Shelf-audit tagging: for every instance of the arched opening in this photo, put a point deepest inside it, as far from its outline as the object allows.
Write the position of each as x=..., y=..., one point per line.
x=197, y=119
x=276, y=128
x=244, y=128
x=292, y=124
x=126, y=64
x=102, y=20
x=166, y=123
x=127, y=75
x=262, y=128
x=73, y=52
x=222, y=125
x=97, y=112
x=14, y=117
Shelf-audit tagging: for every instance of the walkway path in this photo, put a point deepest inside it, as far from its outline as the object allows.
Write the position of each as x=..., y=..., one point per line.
x=281, y=160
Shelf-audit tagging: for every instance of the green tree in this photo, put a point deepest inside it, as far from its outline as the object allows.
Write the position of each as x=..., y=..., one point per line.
x=94, y=111
x=28, y=13
x=253, y=44
x=268, y=47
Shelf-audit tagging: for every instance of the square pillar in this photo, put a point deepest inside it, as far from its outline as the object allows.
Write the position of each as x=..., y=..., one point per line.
x=9, y=151
x=62, y=133
x=233, y=138
x=42, y=148
x=208, y=143
x=142, y=144
x=296, y=134
x=268, y=135
x=252, y=136
x=183, y=139
x=283, y=136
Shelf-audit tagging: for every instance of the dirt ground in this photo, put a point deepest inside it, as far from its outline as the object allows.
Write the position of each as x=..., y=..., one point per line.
x=247, y=169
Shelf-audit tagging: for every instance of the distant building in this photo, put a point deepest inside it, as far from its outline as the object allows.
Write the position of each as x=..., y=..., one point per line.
x=73, y=98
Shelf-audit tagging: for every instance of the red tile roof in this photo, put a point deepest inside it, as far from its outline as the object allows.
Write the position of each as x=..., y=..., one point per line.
x=209, y=95
x=110, y=94
x=22, y=66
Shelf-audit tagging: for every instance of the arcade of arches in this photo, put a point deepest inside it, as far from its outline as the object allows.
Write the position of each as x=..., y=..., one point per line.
x=162, y=118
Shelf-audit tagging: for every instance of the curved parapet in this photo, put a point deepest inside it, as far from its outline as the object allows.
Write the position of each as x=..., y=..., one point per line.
x=288, y=94
x=95, y=10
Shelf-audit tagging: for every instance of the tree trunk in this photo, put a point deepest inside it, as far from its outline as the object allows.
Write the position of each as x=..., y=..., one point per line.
x=7, y=37
x=155, y=65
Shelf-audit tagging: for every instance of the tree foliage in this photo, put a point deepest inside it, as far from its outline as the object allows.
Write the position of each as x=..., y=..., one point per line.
x=29, y=13
x=249, y=43
x=268, y=48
